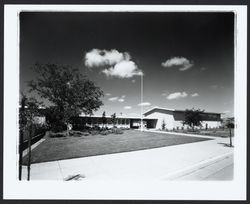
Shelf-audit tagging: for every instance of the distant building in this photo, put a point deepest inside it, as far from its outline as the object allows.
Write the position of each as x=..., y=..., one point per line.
x=174, y=118
x=152, y=119
x=121, y=122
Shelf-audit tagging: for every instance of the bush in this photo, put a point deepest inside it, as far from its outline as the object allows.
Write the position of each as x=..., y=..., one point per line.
x=55, y=135
x=58, y=127
x=104, y=132
x=39, y=129
x=85, y=134
x=116, y=131
x=104, y=128
x=75, y=133
x=78, y=127
x=94, y=132
x=96, y=127
x=124, y=128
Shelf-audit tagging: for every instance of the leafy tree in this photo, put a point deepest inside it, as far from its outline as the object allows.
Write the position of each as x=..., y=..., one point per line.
x=68, y=91
x=104, y=119
x=29, y=109
x=230, y=125
x=113, y=119
x=163, y=125
x=193, y=117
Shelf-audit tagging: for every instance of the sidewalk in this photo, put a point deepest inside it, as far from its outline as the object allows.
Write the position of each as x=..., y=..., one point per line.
x=166, y=163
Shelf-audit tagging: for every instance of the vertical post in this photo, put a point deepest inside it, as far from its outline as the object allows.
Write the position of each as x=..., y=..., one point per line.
x=20, y=146
x=20, y=154
x=29, y=151
x=142, y=102
x=21, y=132
x=230, y=135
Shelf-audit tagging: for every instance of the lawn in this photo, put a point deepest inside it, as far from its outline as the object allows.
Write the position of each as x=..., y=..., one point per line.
x=209, y=132
x=131, y=140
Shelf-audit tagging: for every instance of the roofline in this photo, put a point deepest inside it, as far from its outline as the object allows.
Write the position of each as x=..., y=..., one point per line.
x=174, y=110
x=157, y=107
x=122, y=117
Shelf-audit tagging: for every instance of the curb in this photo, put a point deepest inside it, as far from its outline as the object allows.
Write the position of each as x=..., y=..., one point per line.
x=192, y=168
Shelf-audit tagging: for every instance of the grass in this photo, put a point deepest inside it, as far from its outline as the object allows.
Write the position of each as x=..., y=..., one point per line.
x=131, y=140
x=209, y=132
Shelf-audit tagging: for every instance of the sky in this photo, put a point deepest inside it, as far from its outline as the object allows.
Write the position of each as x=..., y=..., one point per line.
x=186, y=58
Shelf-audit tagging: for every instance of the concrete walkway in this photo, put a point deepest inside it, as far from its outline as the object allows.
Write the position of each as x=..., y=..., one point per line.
x=179, y=162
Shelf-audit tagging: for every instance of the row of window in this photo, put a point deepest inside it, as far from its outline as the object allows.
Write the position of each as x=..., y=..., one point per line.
x=119, y=121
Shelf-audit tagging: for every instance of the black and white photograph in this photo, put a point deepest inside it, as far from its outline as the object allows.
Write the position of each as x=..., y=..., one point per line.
x=128, y=96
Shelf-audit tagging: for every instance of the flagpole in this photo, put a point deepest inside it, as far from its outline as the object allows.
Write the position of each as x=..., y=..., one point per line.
x=141, y=102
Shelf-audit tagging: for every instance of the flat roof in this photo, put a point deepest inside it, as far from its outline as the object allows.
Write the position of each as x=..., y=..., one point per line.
x=118, y=116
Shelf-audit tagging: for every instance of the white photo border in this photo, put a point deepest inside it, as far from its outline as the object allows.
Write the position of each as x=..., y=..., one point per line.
x=212, y=190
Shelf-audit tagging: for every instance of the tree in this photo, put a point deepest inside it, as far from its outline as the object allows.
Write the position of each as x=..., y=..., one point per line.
x=69, y=92
x=163, y=125
x=113, y=119
x=193, y=117
x=29, y=109
x=230, y=125
x=104, y=119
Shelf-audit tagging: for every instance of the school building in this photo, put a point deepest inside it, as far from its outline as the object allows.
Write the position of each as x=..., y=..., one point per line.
x=152, y=119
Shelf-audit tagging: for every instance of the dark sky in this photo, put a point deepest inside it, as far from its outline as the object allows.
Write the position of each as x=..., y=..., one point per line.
x=201, y=42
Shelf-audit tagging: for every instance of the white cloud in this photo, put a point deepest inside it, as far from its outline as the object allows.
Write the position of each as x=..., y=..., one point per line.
x=127, y=107
x=144, y=104
x=118, y=63
x=181, y=62
x=177, y=95
x=113, y=99
x=194, y=94
x=121, y=100
x=96, y=57
x=108, y=94
x=123, y=69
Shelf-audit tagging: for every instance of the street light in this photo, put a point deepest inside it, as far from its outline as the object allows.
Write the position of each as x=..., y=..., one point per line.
x=141, y=102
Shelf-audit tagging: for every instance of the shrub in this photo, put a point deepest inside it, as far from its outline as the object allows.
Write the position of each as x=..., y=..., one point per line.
x=117, y=131
x=39, y=129
x=96, y=127
x=54, y=135
x=85, y=134
x=75, y=133
x=79, y=127
x=104, y=132
x=58, y=127
x=104, y=128
x=94, y=132
x=163, y=125
x=124, y=128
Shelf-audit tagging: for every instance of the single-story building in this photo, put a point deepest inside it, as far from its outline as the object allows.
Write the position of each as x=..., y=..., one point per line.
x=121, y=122
x=152, y=119
x=174, y=118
